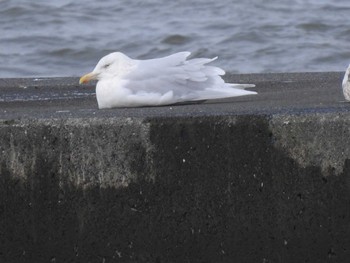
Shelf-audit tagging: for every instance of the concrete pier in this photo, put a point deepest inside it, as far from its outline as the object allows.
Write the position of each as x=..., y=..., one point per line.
x=262, y=178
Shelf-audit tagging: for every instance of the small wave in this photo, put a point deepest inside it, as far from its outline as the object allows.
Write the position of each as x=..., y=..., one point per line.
x=176, y=40
x=13, y=11
x=314, y=26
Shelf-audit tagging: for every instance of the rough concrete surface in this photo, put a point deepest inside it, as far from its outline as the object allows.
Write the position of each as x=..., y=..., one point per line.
x=261, y=178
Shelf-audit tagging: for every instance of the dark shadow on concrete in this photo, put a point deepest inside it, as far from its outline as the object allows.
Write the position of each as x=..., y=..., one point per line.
x=219, y=192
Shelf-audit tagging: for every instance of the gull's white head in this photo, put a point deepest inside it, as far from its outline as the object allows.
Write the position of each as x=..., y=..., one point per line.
x=112, y=65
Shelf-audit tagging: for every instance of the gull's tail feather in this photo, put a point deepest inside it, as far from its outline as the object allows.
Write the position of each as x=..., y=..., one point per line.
x=217, y=93
x=241, y=86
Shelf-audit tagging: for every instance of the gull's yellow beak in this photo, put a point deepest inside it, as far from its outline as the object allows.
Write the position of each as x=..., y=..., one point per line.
x=86, y=78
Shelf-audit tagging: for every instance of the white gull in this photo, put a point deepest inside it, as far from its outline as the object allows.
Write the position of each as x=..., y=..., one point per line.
x=125, y=82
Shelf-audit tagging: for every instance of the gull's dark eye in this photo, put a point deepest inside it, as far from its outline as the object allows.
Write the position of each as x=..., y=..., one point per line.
x=106, y=66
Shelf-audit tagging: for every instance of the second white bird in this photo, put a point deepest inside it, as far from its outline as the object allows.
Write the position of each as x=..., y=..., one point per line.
x=346, y=84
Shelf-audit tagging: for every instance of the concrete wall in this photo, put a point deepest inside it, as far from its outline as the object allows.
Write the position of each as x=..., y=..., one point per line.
x=181, y=188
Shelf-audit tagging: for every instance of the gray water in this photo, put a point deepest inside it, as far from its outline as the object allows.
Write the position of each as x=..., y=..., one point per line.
x=67, y=38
